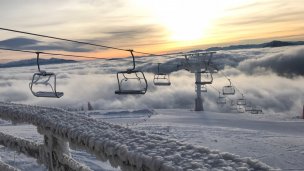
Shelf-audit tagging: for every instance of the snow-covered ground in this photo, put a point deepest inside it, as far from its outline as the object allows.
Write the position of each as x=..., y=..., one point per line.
x=279, y=142
x=130, y=148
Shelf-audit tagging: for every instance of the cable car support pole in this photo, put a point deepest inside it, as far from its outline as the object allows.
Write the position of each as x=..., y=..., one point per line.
x=199, y=99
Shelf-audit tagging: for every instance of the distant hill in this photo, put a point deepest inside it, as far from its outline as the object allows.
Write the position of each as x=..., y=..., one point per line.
x=31, y=62
x=271, y=44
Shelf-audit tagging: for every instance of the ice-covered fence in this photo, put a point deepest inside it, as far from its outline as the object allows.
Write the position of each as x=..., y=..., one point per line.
x=29, y=148
x=6, y=167
x=131, y=150
x=40, y=152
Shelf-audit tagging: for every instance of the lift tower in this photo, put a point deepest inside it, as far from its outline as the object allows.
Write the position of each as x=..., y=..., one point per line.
x=200, y=64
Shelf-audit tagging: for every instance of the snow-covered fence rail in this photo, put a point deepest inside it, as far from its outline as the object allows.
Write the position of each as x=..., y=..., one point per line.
x=29, y=148
x=129, y=149
x=6, y=167
x=40, y=152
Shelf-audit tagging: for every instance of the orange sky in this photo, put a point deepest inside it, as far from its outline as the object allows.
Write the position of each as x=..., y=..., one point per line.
x=156, y=26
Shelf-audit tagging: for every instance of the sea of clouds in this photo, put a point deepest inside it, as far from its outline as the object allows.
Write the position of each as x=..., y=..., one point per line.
x=272, y=78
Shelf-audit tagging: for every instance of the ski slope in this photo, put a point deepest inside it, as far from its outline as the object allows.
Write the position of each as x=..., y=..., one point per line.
x=125, y=147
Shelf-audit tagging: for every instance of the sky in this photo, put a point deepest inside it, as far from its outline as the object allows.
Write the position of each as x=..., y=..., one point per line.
x=157, y=26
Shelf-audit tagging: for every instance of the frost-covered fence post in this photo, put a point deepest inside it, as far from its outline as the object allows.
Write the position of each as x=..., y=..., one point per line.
x=55, y=148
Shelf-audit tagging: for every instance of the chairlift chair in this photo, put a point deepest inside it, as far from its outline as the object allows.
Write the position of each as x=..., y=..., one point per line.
x=161, y=79
x=241, y=101
x=203, y=88
x=229, y=89
x=233, y=105
x=248, y=108
x=43, y=78
x=240, y=109
x=256, y=110
x=207, y=78
x=126, y=78
x=221, y=99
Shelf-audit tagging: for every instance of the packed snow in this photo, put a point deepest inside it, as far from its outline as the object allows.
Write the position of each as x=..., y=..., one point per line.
x=124, y=147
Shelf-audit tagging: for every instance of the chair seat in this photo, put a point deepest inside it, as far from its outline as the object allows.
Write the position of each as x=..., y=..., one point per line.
x=48, y=94
x=203, y=82
x=161, y=74
x=162, y=84
x=228, y=93
x=228, y=90
x=241, y=102
x=130, y=92
x=44, y=73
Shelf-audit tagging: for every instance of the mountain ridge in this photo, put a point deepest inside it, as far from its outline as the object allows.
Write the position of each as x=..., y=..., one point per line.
x=272, y=44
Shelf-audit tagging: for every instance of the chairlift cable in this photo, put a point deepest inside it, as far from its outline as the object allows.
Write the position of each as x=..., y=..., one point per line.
x=82, y=42
x=48, y=53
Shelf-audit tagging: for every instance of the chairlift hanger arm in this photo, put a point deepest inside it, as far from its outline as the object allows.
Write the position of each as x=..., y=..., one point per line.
x=133, y=58
x=38, y=65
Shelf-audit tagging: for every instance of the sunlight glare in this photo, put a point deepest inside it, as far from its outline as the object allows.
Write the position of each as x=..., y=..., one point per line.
x=187, y=20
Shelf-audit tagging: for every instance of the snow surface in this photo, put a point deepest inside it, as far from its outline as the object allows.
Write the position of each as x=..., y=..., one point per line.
x=277, y=140
x=129, y=149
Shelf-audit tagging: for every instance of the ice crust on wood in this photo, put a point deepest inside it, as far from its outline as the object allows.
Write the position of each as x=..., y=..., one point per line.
x=129, y=149
x=37, y=151
x=7, y=167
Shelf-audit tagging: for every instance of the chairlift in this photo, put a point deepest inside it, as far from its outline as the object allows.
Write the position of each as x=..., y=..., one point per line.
x=256, y=110
x=221, y=99
x=206, y=78
x=131, y=81
x=240, y=109
x=229, y=89
x=43, y=79
x=241, y=101
x=234, y=107
x=203, y=88
x=248, y=108
x=161, y=79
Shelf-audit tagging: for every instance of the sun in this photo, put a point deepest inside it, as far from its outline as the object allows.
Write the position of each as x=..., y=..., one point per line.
x=185, y=20
x=188, y=20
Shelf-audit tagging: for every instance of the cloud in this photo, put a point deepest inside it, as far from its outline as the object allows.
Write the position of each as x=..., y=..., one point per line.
x=165, y=67
x=95, y=82
x=33, y=44
x=289, y=63
x=18, y=42
x=129, y=36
